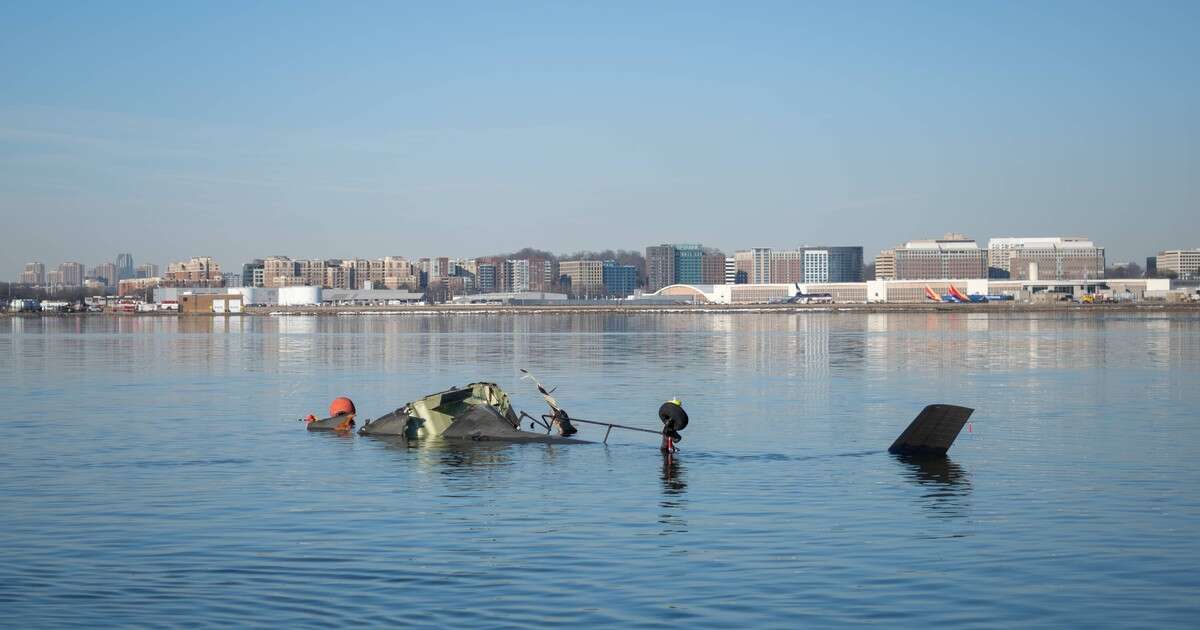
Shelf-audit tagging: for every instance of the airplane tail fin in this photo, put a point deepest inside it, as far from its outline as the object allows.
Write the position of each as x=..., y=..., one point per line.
x=931, y=294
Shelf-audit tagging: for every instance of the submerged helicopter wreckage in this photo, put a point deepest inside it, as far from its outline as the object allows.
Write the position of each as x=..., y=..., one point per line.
x=483, y=412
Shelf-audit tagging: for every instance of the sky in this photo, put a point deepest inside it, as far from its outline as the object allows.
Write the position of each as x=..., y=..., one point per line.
x=332, y=130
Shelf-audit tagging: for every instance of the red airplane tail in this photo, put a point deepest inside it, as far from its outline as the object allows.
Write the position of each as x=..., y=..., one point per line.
x=931, y=294
x=958, y=294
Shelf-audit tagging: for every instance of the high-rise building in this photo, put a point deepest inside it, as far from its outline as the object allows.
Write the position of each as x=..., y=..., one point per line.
x=280, y=271
x=124, y=266
x=1057, y=258
x=952, y=256
x=743, y=267
x=885, y=265
x=587, y=276
x=1151, y=266
x=199, y=271
x=1185, y=263
x=33, y=274
x=763, y=265
x=146, y=270
x=660, y=266
x=516, y=275
x=105, y=274
x=619, y=280
x=231, y=279
x=833, y=264
x=71, y=274
x=486, y=278
x=689, y=266
x=730, y=270
x=786, y=266
x=252, y=273
x=712, y=267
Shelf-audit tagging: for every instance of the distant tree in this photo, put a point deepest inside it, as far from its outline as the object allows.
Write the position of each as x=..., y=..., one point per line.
x=1131, y=270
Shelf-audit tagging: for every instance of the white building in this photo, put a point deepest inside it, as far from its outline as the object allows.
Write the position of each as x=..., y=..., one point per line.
x=1184, y=262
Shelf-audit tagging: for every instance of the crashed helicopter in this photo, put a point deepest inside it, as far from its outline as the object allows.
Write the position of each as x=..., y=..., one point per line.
x=483, y=412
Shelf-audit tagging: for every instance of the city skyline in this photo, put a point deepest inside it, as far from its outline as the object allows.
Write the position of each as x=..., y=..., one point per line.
x=183, y=129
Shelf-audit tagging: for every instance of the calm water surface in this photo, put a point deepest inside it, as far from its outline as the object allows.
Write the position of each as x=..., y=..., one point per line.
x=153, y=473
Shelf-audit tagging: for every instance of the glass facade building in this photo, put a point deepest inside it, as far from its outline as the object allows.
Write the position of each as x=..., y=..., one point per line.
x=689, y=264
x=619, y=280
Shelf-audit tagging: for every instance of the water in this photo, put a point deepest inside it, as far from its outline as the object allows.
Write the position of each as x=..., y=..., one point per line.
x=153, y=473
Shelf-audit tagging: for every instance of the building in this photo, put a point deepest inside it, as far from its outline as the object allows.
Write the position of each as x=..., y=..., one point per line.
x=543, y=274
x=730, y=270
x=252, y=273
x=105, y=274
x=1054, y=256
x=915, y=291
x=1184, y=263
x=619, y=280
x=712, y=267
x=486, y=277
x=660, y=266
x=71, y=274
x=202, y=303
x=516, y=276
x=33, y=274
x=124, y=266
x=689, y=263
x=763, y=265
x=131, y=286
x=199, y=271
x=842, y=263
x=145, y=270
x=952, y=256
x=586, y=276
x=885, y=265
x=530, y=298
x=231, y=279
x=1151, y=266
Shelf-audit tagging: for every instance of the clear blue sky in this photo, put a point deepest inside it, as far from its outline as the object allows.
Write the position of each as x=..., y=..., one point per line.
x=240, y=129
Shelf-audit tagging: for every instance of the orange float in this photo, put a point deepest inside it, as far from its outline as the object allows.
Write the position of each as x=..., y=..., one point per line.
x=341, y=406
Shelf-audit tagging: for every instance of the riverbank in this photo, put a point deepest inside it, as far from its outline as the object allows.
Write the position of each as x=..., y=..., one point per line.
x=485, y=309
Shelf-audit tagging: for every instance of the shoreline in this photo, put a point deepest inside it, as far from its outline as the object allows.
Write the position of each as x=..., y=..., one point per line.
x=679, y=309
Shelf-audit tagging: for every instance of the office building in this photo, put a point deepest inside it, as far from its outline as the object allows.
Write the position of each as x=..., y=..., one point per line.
x=124, y=266
x=730, y=270
x=712, y=267
x=885, y=265
x=486, y=277
x=586, y=276
x=763, y=265
x=1184, y=263
x=952, y=256
x=689, y=266
x=146, y=270
x=619, y=280
x=1055, y=257
x=660, y=266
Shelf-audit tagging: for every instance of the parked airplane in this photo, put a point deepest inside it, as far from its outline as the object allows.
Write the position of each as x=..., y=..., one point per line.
x=954, y=296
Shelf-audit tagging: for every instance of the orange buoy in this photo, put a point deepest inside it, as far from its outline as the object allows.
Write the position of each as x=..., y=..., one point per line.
x=341, y=406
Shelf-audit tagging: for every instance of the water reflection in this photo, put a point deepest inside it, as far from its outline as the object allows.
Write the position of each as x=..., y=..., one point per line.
x=674, y=501
x=946, y=485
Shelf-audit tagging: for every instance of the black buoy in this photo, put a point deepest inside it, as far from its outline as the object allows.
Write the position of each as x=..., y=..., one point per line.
x=674, y=420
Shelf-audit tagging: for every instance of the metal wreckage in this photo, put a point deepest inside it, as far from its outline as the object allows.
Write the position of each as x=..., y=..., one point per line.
x=484, y=412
